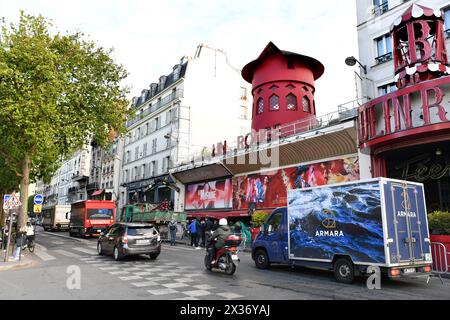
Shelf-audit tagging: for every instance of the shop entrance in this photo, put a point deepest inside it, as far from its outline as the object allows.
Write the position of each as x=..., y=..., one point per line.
x=428, y=164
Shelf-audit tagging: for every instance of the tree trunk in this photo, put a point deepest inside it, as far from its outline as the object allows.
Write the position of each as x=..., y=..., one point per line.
x=24, y=184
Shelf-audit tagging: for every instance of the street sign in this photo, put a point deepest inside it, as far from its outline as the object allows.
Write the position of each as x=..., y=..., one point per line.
x=38, y=199
x=37, y=208
x=6, y=198
x=12, y=202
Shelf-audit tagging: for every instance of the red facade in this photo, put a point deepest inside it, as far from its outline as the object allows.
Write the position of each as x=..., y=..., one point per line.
x=282, y=87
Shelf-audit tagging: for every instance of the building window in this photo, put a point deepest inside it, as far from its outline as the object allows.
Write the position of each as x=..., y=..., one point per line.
x=154, y=144
x=145, y=149
x=384, y=49
x=243, y=93
x=243, y=113
x=274, y=103
x=136, y=153
x=388, y=88
x=128, y=156
x=291, y=102
x=154, y=168
x=306, y=104
x=447, y=22
x=144, y=171
x=156, y=123
x=146, y=129
x=260, y=105
x=380, y=7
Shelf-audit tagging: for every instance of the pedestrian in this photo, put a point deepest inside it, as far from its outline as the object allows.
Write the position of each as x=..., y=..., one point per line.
x=20, y=234
x=215, y=225
x=202, y=230
x=4, y=237
x=173, y=232
x=193, y=230
x=238, y=228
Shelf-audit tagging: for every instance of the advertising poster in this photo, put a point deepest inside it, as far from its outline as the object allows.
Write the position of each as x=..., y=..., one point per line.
x=269, y=190
x=340, y=219
x=209, y=195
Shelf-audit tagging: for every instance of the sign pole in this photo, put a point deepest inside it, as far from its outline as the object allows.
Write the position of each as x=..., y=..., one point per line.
x=9, y=235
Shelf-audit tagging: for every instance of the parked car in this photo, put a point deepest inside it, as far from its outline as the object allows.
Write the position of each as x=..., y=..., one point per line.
x=127, y=239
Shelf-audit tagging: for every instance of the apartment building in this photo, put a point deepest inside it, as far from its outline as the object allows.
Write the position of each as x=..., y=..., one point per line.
x=184, y=113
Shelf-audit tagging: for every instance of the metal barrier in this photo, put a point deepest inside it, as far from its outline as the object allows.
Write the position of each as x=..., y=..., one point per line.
x=440, y=258
x=440, y=261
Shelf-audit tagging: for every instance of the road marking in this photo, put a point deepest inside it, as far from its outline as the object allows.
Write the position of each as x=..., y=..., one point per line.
x=197, y=293
x=184, y=280
x=84, y=250
x=116, y=273
x=145, y=284
x=57, y=242
x=130, y=278
x=48, y=234
x=162, y=292
x=143, y=273
x=67, y=253
x=44, y=255
x=109, y=268
x=204, y=287
x=175, y=285
x=158, y=279
x=229, y=295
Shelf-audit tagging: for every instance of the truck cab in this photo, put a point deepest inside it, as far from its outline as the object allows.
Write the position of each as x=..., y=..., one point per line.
x=271, y=245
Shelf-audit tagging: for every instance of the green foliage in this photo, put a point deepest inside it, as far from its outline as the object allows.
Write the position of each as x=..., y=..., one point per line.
x=56, y=93
x=258, y=218
x=439, y=222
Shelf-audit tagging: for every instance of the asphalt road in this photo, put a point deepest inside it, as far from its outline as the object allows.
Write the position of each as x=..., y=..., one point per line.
x=178, y=273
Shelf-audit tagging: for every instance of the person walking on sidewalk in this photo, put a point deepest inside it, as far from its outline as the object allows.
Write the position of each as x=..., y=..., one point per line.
x=193, y=230
x=202, y=235
x=173, y=232
x=20, y=235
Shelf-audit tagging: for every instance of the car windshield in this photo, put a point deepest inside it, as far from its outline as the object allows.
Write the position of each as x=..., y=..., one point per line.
x=99, y=213
x=138, y=231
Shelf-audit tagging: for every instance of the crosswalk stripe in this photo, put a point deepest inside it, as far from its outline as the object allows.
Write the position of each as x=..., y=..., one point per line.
x=44, y=255
x=67, y=253
x=85, y=250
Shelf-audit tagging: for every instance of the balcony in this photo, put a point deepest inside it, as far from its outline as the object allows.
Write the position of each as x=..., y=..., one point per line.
x=73, y=190
x=381, y=9
x=93, y=186
x=384, y=58
x=158, y=105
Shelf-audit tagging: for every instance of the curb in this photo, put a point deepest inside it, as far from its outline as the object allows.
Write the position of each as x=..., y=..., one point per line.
x=17, y=265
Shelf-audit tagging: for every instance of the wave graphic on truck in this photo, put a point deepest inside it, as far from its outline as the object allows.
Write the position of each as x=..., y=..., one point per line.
x=351, y=223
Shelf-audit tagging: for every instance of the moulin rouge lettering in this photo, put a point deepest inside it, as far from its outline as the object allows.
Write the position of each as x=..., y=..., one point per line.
x=207, y=195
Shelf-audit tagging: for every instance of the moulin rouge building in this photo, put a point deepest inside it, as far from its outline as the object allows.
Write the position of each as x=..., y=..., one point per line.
x=407, y=132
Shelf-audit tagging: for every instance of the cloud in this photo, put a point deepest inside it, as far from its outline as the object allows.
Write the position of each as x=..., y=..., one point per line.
x=150, y=37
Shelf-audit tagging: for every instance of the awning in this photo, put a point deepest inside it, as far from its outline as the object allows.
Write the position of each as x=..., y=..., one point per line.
x=218, y=214
x=201, y=173
x=98, y=192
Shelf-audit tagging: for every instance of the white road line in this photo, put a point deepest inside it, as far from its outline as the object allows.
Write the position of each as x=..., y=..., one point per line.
x=145, y=284
x=85, y=250
x=57, y=242
x=44, y=255
x=229, y=295
x=67, y=253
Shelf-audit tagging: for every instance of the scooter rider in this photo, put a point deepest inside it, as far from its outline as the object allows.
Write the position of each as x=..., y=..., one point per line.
x=222, y=232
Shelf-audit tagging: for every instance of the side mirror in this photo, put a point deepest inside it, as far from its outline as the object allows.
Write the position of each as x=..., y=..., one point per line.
x=270, y=229
x=263, y=228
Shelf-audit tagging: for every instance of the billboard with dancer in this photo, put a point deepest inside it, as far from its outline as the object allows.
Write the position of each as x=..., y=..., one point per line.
x=209, y=195
x=269, y=189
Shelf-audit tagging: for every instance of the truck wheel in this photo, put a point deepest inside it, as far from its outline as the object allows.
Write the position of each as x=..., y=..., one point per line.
x=117, y=254
x=344, y=271
x=261, y=259
x=100, y=249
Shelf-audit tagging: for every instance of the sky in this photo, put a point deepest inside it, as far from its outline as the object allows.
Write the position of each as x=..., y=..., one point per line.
x=149, y=37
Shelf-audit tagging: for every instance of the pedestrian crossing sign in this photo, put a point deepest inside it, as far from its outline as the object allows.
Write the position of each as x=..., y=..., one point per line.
x=12, y=201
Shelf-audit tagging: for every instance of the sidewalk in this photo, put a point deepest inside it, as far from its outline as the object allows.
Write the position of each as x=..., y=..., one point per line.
x=12, y=264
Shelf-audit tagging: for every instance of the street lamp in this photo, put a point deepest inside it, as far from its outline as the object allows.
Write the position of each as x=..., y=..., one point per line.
x=351, y=61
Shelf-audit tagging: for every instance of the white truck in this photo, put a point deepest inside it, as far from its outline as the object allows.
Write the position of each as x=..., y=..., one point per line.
x=56, y=218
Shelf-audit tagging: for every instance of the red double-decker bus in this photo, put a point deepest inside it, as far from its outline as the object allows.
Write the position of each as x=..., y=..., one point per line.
x=91, y=217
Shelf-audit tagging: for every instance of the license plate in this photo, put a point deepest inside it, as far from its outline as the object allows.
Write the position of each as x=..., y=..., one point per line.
x=234, y=257
x=142, y=241
x=99, y=230
x=407, y=271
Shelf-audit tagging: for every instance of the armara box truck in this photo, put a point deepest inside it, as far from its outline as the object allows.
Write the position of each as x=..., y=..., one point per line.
x=349, y=227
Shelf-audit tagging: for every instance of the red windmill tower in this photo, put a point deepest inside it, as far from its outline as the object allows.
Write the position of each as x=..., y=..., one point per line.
x=282, y=87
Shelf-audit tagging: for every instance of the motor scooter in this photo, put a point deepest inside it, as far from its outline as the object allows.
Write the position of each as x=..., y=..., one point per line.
x=226, y=258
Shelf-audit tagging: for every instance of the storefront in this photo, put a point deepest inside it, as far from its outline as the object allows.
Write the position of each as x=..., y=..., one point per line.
x=407, y=132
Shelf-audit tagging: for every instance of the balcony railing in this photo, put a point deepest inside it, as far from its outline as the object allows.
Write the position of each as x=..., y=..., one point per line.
x=382, y=8
x=173, y=96
x=345, y=112
x=384, y=58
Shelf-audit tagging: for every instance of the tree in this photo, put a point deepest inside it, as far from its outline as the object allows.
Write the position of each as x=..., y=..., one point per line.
x=8, y=183
x=56, y=92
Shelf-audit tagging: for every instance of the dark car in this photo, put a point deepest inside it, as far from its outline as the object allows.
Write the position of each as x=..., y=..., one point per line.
x=127, y=239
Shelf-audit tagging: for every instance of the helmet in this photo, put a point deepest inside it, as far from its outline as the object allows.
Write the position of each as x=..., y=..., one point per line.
x=223, y=222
